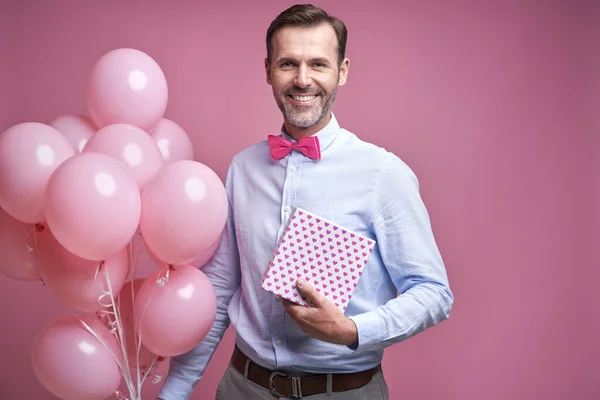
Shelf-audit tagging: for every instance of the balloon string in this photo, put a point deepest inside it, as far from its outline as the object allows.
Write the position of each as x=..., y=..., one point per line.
x=121, y=338
x=32, y=250
x=103, y=343
x=151, y=370
x=116, y=326
x=111, y=309
x=162, y=280
x=32, y=235
x=134, y=253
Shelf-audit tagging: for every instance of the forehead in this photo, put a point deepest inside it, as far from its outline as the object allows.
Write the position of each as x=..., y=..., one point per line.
x=305, y=42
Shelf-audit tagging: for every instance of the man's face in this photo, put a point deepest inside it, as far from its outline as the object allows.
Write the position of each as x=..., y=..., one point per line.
x=304, y=73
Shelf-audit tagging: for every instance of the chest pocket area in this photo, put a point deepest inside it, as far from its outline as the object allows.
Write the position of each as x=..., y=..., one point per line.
x=256, y=238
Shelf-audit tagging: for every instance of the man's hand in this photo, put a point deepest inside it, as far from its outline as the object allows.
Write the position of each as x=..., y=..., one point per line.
x=323, y=321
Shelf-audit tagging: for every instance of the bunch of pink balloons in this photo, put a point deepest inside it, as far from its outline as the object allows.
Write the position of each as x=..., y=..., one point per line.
x=75, y=192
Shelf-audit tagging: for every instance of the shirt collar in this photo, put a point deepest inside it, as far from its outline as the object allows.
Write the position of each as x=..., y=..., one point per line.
x=325, y=135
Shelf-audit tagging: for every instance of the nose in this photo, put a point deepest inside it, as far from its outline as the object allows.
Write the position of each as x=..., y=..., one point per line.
x=303, y=78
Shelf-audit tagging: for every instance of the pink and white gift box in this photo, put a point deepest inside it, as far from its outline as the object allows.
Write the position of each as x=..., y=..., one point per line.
x=326, y=255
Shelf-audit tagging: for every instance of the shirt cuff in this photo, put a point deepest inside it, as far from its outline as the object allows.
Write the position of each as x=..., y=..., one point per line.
x=175, y=389
x=370, y=329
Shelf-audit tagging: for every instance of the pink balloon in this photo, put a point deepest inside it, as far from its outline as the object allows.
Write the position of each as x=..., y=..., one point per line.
x=74, y=365
x=206, y=255
x=73, y=280
x=199, y=262
x=130, y=145
x=126, y=309
x=18, y=249
x=92, y=205
x=127, y=86
x=184, y=211
x=77, y=129
x=29, y=154
x=173, y=142
x=175, y=318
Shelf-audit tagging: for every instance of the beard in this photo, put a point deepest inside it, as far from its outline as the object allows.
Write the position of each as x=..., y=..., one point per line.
x=305, y=116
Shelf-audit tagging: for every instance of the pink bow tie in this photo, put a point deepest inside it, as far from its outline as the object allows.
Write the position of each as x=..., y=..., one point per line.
x=280, y=147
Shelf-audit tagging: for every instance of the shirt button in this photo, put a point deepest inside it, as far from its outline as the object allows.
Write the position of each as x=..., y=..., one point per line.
x=288, y=208
x=292, y=169
x=277, y=298
x=279, y=343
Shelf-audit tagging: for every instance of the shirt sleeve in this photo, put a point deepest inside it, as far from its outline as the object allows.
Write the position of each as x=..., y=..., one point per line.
x=223, y=270
x=409, y=252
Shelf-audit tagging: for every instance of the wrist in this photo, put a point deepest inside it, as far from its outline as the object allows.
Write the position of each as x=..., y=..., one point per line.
x=350, y=336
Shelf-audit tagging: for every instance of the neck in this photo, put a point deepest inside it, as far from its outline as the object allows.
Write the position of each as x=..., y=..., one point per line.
x=299, y=133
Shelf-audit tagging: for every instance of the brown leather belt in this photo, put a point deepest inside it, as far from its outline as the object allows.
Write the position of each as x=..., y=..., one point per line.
x=281, y=384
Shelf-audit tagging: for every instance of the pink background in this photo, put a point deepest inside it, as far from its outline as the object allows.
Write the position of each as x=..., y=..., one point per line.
x=494, y=105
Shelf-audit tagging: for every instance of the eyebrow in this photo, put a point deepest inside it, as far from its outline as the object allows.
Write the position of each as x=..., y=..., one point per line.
x=321, y=60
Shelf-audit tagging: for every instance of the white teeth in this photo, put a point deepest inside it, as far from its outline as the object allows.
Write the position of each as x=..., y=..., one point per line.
x=303, y=98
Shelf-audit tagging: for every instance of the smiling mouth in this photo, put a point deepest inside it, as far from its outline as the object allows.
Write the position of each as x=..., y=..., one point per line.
x=303, y=98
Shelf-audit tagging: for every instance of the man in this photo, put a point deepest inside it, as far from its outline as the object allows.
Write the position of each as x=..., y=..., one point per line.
x=284, y=350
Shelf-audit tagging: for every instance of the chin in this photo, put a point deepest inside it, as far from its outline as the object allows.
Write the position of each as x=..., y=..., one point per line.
x=304, y=122
x=305, y=119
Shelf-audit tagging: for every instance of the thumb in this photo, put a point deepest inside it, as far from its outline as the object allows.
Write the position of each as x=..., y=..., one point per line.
x=309, y=292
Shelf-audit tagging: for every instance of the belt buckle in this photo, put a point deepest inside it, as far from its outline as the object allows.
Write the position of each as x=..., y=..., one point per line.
x=296, y=385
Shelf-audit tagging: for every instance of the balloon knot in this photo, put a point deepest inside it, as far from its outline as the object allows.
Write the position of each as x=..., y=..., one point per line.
x=120, y=395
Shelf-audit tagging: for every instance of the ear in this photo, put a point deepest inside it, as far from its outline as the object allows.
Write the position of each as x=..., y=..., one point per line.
x=344, y=69
x=267, y=71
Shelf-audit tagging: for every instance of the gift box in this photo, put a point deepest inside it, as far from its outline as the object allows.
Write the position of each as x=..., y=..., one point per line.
x=326, y=255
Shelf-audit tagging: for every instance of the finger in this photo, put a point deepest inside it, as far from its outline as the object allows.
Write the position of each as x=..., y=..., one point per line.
x=290, y=306
x=296, y=311
x=286, y=303
x=310, y=293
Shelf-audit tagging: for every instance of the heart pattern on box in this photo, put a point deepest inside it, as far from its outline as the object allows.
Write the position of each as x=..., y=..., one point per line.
x=328, y=256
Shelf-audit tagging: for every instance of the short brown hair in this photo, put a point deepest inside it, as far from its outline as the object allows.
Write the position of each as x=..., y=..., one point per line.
x=308, y=15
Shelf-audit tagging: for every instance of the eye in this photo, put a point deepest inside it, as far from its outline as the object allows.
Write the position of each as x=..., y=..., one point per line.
x=286, y=64
x=320, y=64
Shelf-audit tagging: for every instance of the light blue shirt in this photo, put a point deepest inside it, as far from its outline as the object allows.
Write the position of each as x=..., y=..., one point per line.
x=403, y=289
